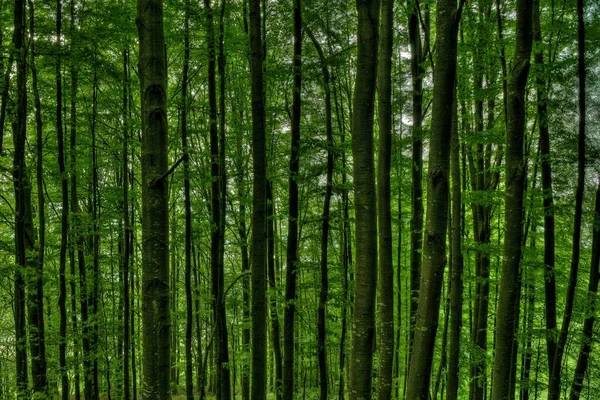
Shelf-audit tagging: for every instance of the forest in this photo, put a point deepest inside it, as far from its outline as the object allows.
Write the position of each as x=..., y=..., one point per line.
x=299, y=199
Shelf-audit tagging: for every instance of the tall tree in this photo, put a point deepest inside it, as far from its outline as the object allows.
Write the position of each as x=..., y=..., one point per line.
x=292, y=238
x=325, y=224
x=555, y=376
x=434, y=251
x=508, y=299
x=546, y=166
x=189, y=380
x=417, y=70
x=64, y=224
x=583, y=359
x=155, y=216
x=456, y=284
x=259, y=215
x=36, y=287
x=24, y=238
x=363, y=327
x=385, y=344
x=127, y=232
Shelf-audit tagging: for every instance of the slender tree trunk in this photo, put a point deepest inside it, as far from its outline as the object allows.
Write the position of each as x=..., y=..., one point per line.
x=156, y=334
x=583, y=359
x=223, y=338
x=542, y=118
x=259, y=220
x=456, y=285
x=363, y=325
x=527, y=351
x=385, y=345
x=555, y=377
x=95, y=246
x=508, y=301
x=189, y=379
x=23, y=231
x=36, y=293
x=434, y=252
x=324, y=292
x=275, y=326
x=127, y=233
x=416, y=219
x=64, y=224
x=292, y=239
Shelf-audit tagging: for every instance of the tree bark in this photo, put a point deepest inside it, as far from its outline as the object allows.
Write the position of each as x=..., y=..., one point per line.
x=508, y=301
x=583, y=358
x=456, y=285
x=434, y=252
x=385, y=345
x=274, y=313
x=416, y=218
x=189, y=305
x=156, y=334
x=259, y=220
x=546, y=166
x=363, y=326
x=24, y=239
x=555, y=376
x=36, y=293
x=292, y=238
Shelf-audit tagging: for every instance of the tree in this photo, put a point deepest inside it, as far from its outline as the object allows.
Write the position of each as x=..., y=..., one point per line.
x=292, y=239
x=363, y=330
x=155, y=217
x=434, y=252
x=385, y=342
x=508, y=297
x=259, y=220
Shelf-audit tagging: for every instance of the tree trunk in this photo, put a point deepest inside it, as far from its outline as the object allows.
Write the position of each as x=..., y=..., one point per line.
x=456, y=285
x=583, y=358
x=385, y=345
x=259, y=220
x=36, y=294
x=416, y=219
x=64, y=224
x=189, y=379
x=434, y=252
x=324, y=292
x=292, y=239
x=275, y=326
x=363, y=325
x=24, y=239
x=542, y=117
x=508, y=301
x=156, y=334
x=555, y=377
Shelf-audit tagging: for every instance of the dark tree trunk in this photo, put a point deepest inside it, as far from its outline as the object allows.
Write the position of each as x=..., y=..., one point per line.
x=555, y=376
x=292, y=238
x=24, y=239
x=189, y=305
x=156, y=334
x=385, y=344
x=275, y=326
x=36, y=293
x=127, y=233
x=542, y=118
x=434, y=252
x=583, y=358
x=508, y=302
x=456, y=285
x=259, y=204
x=416, y=218
x=527, y=351
x=363, y=325
x=324, y=292
x=64, y=225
